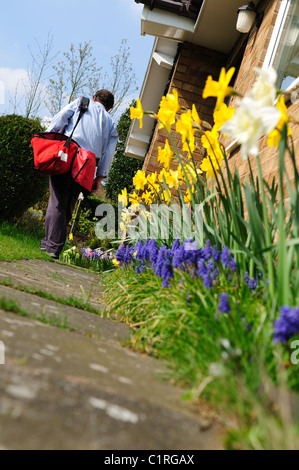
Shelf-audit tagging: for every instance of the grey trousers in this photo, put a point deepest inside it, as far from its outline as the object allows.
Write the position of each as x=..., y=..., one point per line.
x=64, y=193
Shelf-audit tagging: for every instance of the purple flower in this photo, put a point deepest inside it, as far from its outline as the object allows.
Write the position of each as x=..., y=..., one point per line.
x=225, y=257
x=202, y=268
x=232, y=264
x=128, y=255
x=207, y=282
x=287, y=324
x=178, y=257
x=223, y=305
x=119, y=256
x=175, y=246
x=251, y=282
x=206, y=252
x=166, y=273
x=153, y=251
x=215, y=254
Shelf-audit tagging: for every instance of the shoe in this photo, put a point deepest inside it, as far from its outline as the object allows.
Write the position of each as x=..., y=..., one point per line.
x=53, y=255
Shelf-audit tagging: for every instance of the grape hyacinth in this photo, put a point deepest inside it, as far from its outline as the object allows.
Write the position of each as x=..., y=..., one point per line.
x=287, y=324
x=223, y=305
x=251, y=282
x=204, y=262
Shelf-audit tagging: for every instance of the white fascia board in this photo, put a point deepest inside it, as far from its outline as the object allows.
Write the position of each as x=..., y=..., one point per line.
x=135, y=152
x=165, y=24
x=152, y=90
x=163, y=59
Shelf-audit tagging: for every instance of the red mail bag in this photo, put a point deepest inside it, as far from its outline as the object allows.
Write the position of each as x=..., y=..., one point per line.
x=51, y=155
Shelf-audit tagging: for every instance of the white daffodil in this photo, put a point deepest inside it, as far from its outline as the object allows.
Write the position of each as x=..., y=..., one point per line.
x=264, y=89
x=249, y=123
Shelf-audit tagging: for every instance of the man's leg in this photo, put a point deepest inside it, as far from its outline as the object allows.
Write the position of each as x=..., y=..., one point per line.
x=63, y=195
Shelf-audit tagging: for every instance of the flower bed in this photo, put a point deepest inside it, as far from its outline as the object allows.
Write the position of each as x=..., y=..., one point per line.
x=223, y=312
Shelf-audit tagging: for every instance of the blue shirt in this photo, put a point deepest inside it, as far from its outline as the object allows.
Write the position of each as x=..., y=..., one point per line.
x=95, y=132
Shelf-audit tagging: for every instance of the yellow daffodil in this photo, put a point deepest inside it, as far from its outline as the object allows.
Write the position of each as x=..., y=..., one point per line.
x=180, y=173
x=123, y=197
x=139, y=180
x=210, y=141
x=192, y=173
x=166, y=197
x=195, y=115
x=184, y=126
x=222, y=115
x=163, y=175
x=165, y=155
x=115, y=262
x=208, y=165
x=71, y=237
x=169, y=107
x=187, y=196
x=137, y=113
x=134, y=198
x=147, y=196
x=151, y=178
x=275, y=136
x=219, y=89
x=173, y=179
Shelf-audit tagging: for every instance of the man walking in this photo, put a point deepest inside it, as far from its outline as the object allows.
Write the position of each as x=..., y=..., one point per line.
x=95, y=132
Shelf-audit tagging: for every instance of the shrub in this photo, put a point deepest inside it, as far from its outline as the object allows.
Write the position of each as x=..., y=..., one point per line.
x=21, y=185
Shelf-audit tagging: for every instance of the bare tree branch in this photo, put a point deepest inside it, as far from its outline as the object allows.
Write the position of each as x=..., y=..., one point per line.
x=36, y=76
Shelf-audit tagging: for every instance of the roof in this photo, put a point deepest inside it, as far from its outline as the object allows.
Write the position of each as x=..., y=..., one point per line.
x=186, y=8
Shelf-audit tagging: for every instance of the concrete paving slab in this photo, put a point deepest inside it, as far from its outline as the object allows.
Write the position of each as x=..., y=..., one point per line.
x=54, y=278
x=80, y=388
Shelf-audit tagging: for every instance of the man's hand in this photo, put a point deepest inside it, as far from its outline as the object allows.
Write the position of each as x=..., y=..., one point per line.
x=96, y=183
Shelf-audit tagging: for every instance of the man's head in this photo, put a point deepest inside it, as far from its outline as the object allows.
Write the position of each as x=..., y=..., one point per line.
x=106, y=98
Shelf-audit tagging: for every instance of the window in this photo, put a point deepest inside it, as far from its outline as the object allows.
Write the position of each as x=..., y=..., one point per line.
x=283, y=52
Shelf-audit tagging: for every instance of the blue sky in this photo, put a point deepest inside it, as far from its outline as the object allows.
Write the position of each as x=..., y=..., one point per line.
x=103, y=22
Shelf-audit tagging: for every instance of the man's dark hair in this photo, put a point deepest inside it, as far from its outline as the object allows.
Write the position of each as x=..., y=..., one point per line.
x=105, y=97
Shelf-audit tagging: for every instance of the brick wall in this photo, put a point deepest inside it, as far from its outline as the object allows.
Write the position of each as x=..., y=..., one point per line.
x=189, y=76
x=254, y=56
x=193, y=66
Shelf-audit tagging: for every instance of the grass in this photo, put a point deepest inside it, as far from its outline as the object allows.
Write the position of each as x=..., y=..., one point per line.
x=227, y=359
x=9, y=305
x=17, y=243
x=81, y=304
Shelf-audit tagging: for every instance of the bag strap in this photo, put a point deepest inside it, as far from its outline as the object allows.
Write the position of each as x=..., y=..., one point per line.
x=83, y=106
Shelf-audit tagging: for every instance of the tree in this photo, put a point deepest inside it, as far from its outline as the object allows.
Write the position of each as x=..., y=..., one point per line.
x=33, y=97
x=34, y=90
x=123, y=168
x=122, y=81
x=76, y=74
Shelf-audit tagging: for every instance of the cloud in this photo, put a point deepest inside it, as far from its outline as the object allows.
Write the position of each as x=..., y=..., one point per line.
x=12, y=78
x=12, y=83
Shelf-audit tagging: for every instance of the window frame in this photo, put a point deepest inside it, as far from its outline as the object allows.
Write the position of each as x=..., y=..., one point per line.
x=276, y=37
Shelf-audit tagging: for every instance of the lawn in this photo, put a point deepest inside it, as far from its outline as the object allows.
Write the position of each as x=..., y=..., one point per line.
x=17, y=243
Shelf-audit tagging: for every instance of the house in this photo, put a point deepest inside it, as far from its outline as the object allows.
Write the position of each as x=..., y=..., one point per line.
x=196, y=38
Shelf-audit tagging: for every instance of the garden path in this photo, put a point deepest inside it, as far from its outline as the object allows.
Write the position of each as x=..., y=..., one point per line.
x=77, y=385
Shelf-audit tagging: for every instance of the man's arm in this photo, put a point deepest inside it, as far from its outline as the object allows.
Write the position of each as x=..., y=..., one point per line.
x=96, y=183
x=107, y=157
x=60, y=121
